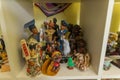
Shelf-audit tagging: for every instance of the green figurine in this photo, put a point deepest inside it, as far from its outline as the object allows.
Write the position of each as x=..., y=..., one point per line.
x=70, y=63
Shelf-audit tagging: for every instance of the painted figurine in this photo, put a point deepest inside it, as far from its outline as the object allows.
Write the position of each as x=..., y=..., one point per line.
x=33, y=68
x=70, y=63
x=35, y=34
x=61, y=34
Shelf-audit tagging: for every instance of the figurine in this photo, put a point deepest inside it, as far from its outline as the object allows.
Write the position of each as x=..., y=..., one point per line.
x=70, y=63
x=107, y=63
x=35, y=34
x=49, y=32
x=82, y=61
x=33, y=68
x=4, y=66
x=61, y=34
x=31, y=56
x=56, y=27
x=112, y=44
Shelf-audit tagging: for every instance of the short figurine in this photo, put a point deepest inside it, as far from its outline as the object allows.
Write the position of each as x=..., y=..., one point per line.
x=82, y=61
x=70, y=63
x=33, y=68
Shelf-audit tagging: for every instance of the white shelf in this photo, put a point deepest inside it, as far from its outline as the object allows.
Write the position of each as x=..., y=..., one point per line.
x=65, y=73
x=5, y=75
x=113, y=72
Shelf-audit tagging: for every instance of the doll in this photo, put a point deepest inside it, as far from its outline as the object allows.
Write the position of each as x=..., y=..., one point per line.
x=56, y=27
x=49, y=32
x=33, y=68
x=35, y=34
x=61, y=34
x=111, y=44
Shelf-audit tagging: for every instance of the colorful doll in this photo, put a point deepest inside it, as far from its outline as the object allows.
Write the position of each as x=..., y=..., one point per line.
x=31, y=56
x=33, y=68
x=61, y=34
x=33, y=29
x=49, y=32
x=56, y=27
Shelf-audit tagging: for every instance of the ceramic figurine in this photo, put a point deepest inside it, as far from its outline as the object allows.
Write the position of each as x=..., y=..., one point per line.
x=70, y=63
x=33, y=68
x=118, y=44
x=82, y=61
x=56, y=27
x=107, y=63
x=31, y=56
x=61, y=34
x=49, y=32
x=33, y=29
x=4, y=66
x=112, y=44
x=52, y=65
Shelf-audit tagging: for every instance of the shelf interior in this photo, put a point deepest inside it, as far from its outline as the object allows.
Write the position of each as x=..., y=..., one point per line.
x=65, y=73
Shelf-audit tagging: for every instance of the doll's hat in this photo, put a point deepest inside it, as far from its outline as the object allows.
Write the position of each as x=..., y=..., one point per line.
x=30, y=25
x=64, y=23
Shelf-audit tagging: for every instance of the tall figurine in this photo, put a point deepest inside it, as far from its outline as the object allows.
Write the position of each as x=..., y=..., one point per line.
x=61, y=34
x=35, y=34
x=56, y=27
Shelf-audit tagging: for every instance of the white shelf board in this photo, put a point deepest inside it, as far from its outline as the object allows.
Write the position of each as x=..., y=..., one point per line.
x=5, y=75
x=113, y=72
x=64, y=73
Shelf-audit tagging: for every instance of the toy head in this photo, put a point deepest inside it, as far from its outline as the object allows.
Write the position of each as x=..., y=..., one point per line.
x=51, y=24
x=31, y=26
x=64, y=25
x=54, y=20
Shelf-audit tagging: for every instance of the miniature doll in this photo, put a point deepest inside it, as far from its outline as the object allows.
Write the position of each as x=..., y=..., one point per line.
x=82, y=61
x=70, y=63
x=49, y=32
x=61, y=34
x=35, y=34
x=112, y=44
x=33, y=68
x=56, y=27
x=118, y=44
x=56, y=57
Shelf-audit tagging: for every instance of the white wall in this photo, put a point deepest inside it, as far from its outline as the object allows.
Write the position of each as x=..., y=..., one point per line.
x=15, y=13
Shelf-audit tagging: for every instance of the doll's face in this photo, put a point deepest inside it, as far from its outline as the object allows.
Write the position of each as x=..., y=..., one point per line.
x=63, y=27
x=51, y=24
x=34, y=30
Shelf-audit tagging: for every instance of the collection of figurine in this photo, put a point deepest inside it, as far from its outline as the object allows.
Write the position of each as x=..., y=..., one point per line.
x=113, y=48
x=52, y=45
x=4, y=64
x=113, y=45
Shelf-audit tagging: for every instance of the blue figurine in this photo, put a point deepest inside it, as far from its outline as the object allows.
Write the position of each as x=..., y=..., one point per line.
x=35, y=34
x=61, y=34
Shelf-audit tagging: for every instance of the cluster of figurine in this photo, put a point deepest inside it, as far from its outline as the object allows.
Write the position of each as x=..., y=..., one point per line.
x=52, y=45
x=113, y=45
x=4, y=67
